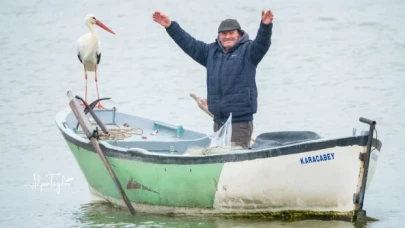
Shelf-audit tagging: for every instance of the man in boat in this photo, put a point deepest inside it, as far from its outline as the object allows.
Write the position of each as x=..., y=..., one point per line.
x=231, y=63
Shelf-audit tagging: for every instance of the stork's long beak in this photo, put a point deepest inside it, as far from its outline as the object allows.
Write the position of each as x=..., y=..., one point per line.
x=99, y=23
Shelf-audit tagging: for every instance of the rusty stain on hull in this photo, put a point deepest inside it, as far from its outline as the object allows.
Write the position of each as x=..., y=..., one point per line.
x=135, y=185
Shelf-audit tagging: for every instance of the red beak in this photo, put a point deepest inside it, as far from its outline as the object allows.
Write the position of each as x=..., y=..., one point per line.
x=99, y=23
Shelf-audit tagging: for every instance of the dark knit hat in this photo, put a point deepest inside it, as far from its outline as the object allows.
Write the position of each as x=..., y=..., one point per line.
x=228, y=25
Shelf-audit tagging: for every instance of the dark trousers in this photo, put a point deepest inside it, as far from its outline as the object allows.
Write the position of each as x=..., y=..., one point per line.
x=241, y=133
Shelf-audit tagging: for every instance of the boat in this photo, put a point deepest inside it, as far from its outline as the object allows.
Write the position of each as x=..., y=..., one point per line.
x=155, y=167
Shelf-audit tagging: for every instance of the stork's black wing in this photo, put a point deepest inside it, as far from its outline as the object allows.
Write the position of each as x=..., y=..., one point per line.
x=98, y=58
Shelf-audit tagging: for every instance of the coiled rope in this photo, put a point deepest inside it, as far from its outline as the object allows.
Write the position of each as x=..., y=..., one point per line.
x=118, y=133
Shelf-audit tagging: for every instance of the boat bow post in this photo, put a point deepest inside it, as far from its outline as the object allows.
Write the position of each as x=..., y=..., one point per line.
x=359, y=213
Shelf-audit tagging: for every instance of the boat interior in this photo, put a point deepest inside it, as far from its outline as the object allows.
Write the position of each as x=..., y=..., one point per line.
x=128, y=131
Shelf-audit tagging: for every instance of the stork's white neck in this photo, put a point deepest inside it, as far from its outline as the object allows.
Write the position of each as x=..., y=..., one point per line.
x=92, y=29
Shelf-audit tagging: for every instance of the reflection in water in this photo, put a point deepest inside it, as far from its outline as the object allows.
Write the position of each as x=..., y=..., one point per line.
x=101, y=214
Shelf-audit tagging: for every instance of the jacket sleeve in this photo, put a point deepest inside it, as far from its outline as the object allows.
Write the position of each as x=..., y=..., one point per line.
x=261, y=44
x=196, y=49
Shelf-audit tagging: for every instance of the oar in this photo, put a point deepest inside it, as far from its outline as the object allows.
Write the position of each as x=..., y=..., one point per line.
x=201, y=105
x=86, y=126
x=204, y=107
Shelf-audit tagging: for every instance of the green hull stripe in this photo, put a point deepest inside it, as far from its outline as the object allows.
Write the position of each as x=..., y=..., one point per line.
x=191, y=185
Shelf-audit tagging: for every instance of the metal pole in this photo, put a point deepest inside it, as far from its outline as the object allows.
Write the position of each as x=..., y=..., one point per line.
x=365, y=166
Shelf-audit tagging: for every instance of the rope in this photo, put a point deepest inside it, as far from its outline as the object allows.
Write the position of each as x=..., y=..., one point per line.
x=376, y=138
x=118, y=133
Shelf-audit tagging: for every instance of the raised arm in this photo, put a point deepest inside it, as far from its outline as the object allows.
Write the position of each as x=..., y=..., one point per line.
x=196, y=49
x=262, y=42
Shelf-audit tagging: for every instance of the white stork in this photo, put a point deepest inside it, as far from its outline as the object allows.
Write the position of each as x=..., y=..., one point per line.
x=89, y=50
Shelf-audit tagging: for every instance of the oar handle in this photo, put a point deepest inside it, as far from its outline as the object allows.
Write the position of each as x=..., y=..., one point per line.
x=204, y=108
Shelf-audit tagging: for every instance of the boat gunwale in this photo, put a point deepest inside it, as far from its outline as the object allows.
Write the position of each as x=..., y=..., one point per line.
x=144, y=155
x=151, y=157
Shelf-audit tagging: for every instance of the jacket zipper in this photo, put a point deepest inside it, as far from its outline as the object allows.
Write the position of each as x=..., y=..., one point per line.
x=220, y=91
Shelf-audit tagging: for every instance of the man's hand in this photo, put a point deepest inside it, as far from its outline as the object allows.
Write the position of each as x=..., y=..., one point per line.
x=162, y=19
x=267, y=17
x=202, y=103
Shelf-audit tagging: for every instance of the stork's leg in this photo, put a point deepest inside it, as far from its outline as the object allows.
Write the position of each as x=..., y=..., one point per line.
x=85, y=85
x=98, y=95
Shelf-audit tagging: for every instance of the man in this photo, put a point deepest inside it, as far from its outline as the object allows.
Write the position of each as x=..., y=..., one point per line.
x=231, y=63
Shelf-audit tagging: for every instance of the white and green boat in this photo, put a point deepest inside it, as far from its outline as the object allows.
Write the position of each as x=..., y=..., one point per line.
x=284, y=175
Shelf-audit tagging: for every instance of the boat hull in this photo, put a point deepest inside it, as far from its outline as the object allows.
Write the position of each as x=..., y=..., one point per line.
x=320, y=182
x=314, y=178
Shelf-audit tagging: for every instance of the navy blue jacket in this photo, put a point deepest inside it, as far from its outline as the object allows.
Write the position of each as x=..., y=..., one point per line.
x=231, y=84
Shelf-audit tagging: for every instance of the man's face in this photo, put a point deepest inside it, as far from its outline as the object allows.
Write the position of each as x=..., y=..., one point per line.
x=229, y=38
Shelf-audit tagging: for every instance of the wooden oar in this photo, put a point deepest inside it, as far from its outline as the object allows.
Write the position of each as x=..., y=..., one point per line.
x=203, y=106
x=86, y=126
x=202, y=103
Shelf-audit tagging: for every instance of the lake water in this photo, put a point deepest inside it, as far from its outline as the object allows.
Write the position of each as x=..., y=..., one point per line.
x=330, y=63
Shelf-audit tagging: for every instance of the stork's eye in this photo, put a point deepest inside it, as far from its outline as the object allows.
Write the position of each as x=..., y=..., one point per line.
x=94, y=18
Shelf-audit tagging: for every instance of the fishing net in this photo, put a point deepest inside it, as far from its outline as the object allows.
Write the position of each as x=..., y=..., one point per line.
x=220, y=141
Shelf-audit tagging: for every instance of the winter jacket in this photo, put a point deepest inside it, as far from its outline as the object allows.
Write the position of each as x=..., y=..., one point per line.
x=231, y=84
